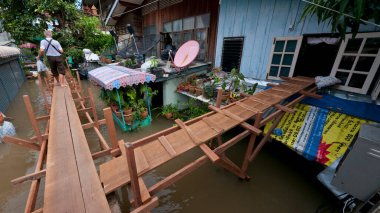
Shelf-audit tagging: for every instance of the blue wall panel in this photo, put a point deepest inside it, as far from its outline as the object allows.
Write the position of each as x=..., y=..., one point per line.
x=11, y=79
x=259, y=21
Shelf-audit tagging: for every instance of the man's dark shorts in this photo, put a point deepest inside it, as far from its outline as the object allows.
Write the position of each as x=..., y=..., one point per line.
x=56, y=65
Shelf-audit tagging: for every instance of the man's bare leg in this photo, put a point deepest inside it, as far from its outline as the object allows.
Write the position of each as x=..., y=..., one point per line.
x=62, y=80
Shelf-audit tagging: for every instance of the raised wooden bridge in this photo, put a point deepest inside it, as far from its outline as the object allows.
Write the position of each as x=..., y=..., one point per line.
x=72, y=183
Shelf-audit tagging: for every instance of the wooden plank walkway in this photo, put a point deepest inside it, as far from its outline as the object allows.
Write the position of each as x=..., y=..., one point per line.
x=72, y=182
x=161, y=147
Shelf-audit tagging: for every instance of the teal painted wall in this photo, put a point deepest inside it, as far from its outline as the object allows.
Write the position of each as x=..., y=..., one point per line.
x=259, y=21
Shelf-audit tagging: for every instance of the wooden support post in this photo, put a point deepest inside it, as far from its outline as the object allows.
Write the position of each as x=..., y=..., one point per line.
x=43, y=92
x=93, y=108
x=266, y=137
x=111, y=127
x=284, y=108
x=33, y=192
x=313, y=95
x=32, y=118
x=79, y=84
x=22, y=142
x=250, y=146
x=133, y=173
x=29, y=177
x=100, y=154
x=219, y=98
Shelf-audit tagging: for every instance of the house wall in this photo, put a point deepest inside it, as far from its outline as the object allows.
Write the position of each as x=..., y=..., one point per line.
x=259, y=21
x=11, y=79
x=187, y=8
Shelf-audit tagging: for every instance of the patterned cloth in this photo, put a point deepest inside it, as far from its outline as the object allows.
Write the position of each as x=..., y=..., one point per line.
x=7, y=129
x=110, y=77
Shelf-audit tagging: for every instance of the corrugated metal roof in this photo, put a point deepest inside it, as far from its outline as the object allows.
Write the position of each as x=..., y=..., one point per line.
x=8, y=52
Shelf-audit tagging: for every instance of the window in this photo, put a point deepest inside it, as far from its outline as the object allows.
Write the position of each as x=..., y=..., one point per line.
x=357, y=62
x=232, y=52
x=283, y=57
x=190, y=28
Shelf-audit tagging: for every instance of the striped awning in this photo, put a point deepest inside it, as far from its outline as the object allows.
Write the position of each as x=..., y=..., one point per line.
x=8, y=52
x=110, y=77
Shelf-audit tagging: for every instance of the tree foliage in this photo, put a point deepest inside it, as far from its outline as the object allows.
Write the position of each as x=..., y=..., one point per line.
x=355, y=10
x=75, y=30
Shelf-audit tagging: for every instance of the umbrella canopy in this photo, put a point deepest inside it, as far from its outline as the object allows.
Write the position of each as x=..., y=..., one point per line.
x=27, y=45
x=110, y=77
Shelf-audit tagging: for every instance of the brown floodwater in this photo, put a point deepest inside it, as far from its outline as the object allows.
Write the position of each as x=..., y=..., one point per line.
x=281, y=181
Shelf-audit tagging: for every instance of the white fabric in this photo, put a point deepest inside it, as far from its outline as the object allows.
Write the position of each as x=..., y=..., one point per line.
x=89, y=56
x=41, y=66
x=326, y=40
x=7, y=129
x=326, y=81
x=51, y=51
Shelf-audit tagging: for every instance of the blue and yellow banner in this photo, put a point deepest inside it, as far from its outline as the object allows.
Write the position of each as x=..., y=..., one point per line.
x=316, y=133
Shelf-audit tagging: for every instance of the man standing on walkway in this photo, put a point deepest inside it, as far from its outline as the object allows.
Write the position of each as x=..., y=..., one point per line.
x=53, y=50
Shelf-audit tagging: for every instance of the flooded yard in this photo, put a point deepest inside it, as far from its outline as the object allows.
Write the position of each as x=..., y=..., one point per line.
x=281, y=181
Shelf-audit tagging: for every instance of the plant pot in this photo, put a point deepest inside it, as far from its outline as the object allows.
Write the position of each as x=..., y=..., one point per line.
x=198, y=91
x=128, y=119
x=128, y=111
x=192, y=89
x=144, y=114
x=115, y=108
x=169, y=115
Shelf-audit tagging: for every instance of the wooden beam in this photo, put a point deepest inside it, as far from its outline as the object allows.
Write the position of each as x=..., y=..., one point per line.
x=147, y=207
x=111, y=127
x=92, y=102
x=171, y=179
x=21, y=142
x=44, y=137
x=41, y=118
x=210, y=154
x=29, y=177
x=284, y=108
x=32, y=117
x=251, y=128
x=219, y=98
x=189, y=132
x=133, y=173
x=165, y=143
x=100, y=154
x=309, y=94
x=85, y=109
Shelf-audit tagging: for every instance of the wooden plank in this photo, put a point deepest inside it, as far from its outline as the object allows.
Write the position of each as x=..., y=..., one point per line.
x=41, y=118
x=29, y=177
x=226, y=112
x=100, y=154
x=165, y=143
x=189, y=132
x=251, y=128
x=247, y=107
x=141, y=162
x=92, y=190
x=21, y=142
x=131, y=160
x=62, y=178
x=110, y=127
x=213, y=125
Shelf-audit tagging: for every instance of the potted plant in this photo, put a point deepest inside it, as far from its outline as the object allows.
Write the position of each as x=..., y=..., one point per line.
x=168, y=110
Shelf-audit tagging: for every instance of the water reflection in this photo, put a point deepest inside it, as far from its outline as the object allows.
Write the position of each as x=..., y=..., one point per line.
x=279, y=182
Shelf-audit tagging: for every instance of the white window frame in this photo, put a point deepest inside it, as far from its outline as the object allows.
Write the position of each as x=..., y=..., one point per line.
x=372, y=72
x=295, y=56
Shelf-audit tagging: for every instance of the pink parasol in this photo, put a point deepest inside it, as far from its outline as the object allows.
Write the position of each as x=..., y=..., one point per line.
x=186, y=54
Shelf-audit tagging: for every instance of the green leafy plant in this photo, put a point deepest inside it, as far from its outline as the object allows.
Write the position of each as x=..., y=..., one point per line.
x=130, y=63
x=346, y=14
x=236, y=77
x=169, y=110
x=154, y=62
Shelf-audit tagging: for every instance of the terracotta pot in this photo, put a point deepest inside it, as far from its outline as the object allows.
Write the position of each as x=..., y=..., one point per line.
x=128, y=119
x=169, y=115
x=145, y=113
x=128, y=111
x=115, y=108
x=198, y=91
